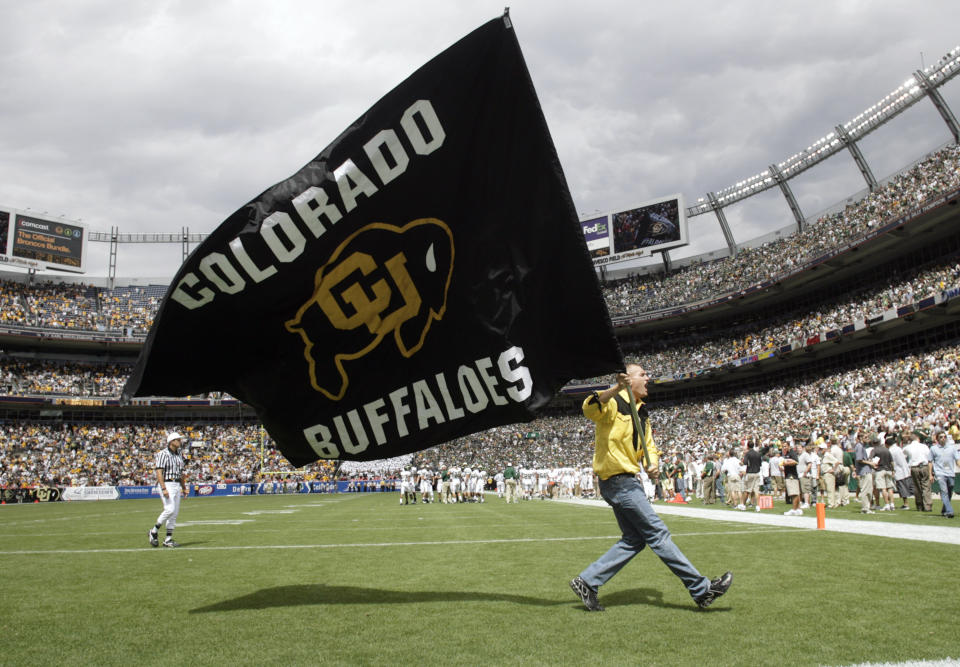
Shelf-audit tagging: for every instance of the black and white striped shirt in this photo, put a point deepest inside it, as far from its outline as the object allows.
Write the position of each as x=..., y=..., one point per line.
x=171, y=463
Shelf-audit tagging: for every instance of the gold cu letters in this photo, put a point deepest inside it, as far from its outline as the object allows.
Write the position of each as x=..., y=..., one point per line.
x=368, y=311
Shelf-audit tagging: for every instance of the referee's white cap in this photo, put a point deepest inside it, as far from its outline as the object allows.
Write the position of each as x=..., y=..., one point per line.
x=173, y=435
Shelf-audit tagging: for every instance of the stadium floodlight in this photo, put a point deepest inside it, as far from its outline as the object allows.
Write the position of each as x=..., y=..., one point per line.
x=911, y=91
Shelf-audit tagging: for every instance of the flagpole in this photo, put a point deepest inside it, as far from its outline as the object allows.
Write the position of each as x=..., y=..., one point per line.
x=262, y=460
x=645, y=455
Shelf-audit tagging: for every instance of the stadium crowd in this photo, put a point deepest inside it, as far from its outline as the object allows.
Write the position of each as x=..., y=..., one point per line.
x=935, y=174
x=916, y=391
x=38, y=454
x=664, y=356
x=125, y=310
x=670, y=355
x=43, y=377
x=919, y=391
x=896, y=396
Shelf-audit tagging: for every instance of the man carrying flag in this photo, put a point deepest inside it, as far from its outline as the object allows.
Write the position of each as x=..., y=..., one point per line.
x=623, y=441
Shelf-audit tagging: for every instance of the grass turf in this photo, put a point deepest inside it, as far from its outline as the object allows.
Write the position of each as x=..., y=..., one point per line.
x=362, y=580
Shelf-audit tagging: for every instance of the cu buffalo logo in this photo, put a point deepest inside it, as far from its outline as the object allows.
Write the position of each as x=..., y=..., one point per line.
x=381, y=280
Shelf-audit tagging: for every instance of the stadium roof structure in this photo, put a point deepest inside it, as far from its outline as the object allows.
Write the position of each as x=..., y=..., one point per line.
x=923, y=83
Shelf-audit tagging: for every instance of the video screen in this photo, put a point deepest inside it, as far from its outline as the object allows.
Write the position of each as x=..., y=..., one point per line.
x=4, y=231
x=645, y=226
x=56, y=244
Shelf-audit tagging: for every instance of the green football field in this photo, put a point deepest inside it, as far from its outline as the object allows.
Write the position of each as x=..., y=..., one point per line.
x=361, y=580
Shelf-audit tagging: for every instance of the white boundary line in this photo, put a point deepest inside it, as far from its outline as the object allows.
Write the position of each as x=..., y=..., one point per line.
x=906, y=531
x=356, y=545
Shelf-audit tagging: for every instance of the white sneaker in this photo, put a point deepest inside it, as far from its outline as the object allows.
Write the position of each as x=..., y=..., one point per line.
x=798, y=512
x=805, y=506
x=741, y=507
x=758, y=508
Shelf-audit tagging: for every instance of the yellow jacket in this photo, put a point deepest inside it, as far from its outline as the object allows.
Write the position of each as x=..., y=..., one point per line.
x=614, y=451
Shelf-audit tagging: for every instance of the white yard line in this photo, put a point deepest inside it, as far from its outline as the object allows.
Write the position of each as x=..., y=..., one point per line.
x=943, y=534
x=356, y=545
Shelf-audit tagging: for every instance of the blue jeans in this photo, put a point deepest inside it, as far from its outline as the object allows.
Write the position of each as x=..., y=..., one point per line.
x=641, y=527
x=946, y=492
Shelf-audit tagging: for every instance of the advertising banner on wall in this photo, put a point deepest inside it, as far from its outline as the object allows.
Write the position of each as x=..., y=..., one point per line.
x=91, y=493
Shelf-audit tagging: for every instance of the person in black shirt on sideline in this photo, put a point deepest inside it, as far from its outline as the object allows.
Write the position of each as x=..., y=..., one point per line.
x=751, y=483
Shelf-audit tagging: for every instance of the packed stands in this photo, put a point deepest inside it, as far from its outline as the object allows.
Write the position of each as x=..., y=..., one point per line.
x=61, y=378
x=46, y=454
x=704, y=349
x=899, y=394
x=896, y=395
x=900, y=391
x=938, y=172
x=130, y=308
x=127, y=311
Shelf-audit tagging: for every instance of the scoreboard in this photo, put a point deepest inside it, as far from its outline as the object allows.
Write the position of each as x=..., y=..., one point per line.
x=35, y=242
x=639, y=231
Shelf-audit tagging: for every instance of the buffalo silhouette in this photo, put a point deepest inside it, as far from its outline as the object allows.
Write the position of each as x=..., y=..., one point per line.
x=382, y=279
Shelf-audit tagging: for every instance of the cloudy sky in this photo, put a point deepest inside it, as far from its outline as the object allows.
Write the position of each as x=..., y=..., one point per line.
x=152, y=116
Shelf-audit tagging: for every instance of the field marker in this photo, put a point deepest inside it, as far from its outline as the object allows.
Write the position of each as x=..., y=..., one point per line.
x=358, y=545
x=214, y=522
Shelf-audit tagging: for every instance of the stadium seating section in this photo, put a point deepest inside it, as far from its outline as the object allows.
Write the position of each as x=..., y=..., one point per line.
x=898, y=388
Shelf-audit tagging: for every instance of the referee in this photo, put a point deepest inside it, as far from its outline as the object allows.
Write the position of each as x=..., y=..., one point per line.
x=168, y=464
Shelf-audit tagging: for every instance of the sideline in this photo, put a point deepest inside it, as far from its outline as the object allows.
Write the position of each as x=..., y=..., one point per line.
x=905, y=531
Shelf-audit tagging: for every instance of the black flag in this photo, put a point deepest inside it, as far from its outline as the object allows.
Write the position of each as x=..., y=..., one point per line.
x=423, y=278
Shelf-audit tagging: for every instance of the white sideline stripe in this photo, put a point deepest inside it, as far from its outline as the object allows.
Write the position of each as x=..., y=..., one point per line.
x=213, y=522
x=906, y=531
x=385, y=544
x=71, y=518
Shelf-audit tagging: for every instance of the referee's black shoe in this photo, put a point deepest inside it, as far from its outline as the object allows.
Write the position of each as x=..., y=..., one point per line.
x=169, y=542
x=718, y=587
x=153, y=538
